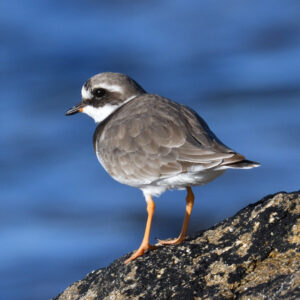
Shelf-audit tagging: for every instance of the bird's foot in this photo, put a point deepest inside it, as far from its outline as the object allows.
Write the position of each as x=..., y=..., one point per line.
x=139, y=252
x=171, y=242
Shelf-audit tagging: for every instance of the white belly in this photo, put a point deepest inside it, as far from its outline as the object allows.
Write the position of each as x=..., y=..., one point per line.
x=180, y=181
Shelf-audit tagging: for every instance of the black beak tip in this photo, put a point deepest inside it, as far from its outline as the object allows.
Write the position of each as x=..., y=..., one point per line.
x=69, y=113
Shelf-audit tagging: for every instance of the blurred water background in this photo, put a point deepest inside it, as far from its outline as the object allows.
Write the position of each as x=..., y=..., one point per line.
x=237, y=63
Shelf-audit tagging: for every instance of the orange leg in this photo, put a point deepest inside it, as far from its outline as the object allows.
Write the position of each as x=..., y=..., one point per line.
x=188, y=210
x=145, y=243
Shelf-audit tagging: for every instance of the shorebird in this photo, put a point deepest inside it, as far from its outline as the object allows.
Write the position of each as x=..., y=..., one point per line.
x=152, y=143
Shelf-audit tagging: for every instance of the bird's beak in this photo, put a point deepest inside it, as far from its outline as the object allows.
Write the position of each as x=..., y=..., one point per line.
x=75, y=109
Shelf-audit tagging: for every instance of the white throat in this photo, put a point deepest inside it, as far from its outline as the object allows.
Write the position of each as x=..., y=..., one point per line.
x=99, y=114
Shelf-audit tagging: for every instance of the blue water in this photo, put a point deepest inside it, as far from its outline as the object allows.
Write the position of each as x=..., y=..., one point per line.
x=61, y=216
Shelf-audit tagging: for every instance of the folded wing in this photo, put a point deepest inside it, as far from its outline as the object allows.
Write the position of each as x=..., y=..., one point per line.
x=153, y=138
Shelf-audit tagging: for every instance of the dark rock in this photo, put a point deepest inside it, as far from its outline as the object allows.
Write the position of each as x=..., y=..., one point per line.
x=252, y=255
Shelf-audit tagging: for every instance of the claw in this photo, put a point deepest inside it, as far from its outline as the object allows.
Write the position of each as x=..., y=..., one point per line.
x=171, y=242
x=139, y=252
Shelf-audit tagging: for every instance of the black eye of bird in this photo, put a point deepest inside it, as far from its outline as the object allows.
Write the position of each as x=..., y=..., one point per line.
x=99, y=92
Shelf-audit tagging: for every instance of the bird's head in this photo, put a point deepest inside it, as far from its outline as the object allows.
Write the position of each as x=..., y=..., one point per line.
x=103, y=93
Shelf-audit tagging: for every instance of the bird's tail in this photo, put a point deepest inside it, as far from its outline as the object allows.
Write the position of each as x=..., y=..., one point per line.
x=243, y=164
x=238, y=161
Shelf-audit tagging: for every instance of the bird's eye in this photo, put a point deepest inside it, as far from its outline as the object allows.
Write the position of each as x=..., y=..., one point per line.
x=99, y=92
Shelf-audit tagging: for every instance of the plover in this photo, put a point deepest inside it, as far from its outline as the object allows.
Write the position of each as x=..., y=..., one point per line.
x=152, y=143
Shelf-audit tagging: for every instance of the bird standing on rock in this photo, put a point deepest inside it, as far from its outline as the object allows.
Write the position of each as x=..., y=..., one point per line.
x=152, y=143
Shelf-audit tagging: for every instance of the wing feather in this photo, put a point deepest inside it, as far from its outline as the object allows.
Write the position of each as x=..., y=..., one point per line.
x=152, y=137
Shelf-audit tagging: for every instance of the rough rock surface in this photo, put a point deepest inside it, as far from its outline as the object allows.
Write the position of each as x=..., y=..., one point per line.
x=252, y=255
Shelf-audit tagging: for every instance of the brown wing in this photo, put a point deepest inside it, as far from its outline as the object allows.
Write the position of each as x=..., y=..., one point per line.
x=152, y=137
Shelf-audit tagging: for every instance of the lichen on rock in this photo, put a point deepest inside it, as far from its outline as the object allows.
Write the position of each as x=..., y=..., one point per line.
x=252, y=255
